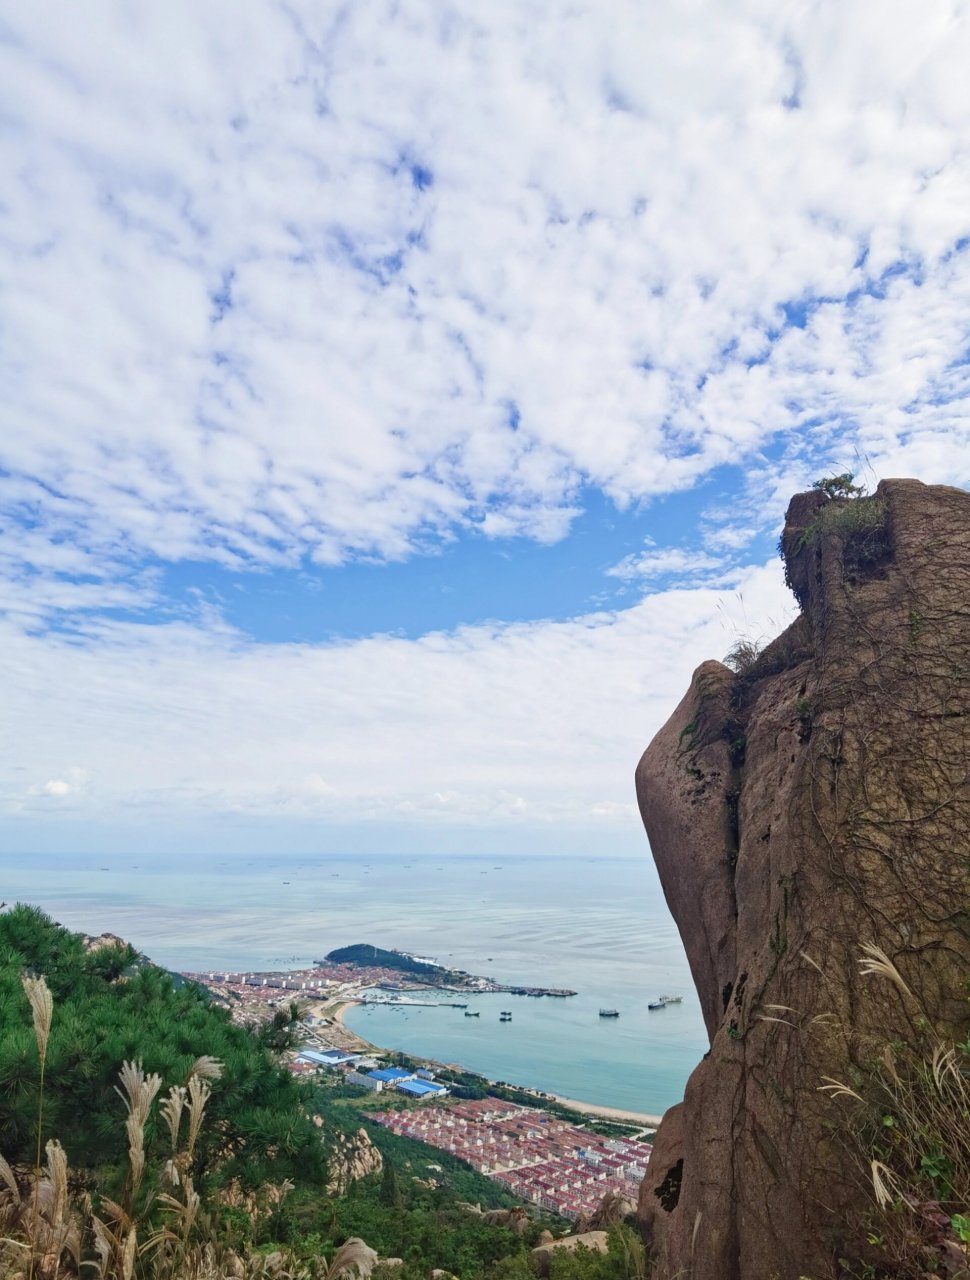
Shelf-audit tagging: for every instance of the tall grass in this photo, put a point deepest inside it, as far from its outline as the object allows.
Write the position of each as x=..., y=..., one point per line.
x=908, y=1113
x=42, y=1009
x=159, y=1228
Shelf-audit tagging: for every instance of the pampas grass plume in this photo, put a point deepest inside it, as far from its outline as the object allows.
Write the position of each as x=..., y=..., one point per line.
x=42, y=1007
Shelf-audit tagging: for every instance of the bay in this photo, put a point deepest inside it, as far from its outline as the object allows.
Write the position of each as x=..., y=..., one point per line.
x=596, y=925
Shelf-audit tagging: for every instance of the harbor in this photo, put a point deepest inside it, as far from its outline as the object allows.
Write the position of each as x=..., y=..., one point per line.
x=359, y=1010
x=521, y=928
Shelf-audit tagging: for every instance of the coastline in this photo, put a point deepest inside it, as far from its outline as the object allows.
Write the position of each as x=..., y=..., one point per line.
x=336, y=1014
x=608, y=1113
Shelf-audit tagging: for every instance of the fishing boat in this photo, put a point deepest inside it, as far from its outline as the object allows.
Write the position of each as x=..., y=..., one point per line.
x=672, y=999
x=609, y=1013
x=657, y=1004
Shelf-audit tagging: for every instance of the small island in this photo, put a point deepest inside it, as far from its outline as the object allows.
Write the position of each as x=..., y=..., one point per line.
x=366, y=956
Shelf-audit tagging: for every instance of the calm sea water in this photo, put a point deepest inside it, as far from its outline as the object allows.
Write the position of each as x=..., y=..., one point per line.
x=597, y=925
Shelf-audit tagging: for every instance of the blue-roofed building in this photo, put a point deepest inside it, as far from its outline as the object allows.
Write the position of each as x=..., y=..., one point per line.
x=420, y=1088
x=391, y=1075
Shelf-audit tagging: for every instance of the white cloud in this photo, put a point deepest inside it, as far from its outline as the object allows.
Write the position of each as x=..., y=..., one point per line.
x=275, y=280
x=667, y=561
x=286, y=282
x=536, y=726
x=71, y=783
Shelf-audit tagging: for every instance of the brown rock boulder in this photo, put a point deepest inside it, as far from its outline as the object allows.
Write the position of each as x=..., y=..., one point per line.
x=595, y=1241
x=815, y=802
x=350, y=1158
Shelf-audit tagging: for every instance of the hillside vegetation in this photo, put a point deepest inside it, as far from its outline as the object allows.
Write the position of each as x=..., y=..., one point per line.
x=144, y=1136
x=363, y=953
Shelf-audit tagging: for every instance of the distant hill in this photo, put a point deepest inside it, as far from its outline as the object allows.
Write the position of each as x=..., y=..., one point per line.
x=363, y=953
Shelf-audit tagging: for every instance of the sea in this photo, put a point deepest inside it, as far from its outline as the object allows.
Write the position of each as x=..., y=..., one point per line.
x=597, y=925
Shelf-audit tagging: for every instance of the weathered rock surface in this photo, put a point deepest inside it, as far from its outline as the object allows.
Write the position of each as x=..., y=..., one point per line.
x=541, y=1256
x=349, y=1158
x=517, y=1219
x=817, y=802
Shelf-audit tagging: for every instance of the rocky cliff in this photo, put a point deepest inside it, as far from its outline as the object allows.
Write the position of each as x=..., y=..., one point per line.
x=349, y=1158
x=818, y=801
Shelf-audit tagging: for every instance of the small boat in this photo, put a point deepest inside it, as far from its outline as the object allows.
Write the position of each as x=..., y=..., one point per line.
x=672, y=999
x=505, y=1017
x=609, y=1013
x=657, y=1004
x=477, y=1014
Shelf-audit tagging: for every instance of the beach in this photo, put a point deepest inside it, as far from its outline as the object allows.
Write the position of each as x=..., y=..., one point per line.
x=609, y=1113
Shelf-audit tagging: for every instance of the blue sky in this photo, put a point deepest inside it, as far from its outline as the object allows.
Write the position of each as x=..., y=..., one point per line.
x=399, y=402
x=465, y=580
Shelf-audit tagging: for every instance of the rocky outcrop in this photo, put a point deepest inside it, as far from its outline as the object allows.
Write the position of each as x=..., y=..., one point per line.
x=613, y=1208
x=541, y=1256
x=517, y=1219
x=349, y=1158
x=813, y=803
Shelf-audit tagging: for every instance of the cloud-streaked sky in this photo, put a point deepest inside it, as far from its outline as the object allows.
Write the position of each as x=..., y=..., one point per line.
x=400, y=400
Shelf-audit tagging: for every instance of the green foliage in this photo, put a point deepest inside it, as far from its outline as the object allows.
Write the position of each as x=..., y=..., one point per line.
x=390, y=1195
x=626, y=1259
x=840, y=486
x=363, y=953
x=108, y=1012
x=257, y=1130
x=742, y=655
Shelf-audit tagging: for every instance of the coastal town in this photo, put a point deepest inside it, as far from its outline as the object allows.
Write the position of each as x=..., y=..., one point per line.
x=561, y=1166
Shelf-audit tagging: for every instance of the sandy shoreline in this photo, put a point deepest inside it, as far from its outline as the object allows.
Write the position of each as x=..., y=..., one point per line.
x=608, y=1113
x=582, y=1108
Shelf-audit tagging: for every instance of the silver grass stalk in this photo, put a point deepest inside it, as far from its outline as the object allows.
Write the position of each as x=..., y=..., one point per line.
x=57, y=1174
x=7, y=1178
x=128, y=1257
x=836, y=1089
x=191, y=1208
x=206, y=1067
x=138, y=1093
x=171, y=1107
x=199, y=1094
x=884, y=1184
x=42, y=1007
x=875, y=961
x=352, y=1256
x=103, y=1245
x=138, y=1090
x=136, y=1150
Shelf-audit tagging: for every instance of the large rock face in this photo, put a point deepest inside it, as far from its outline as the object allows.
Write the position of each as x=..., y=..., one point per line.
x=351, y=1157
x=817, y=802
